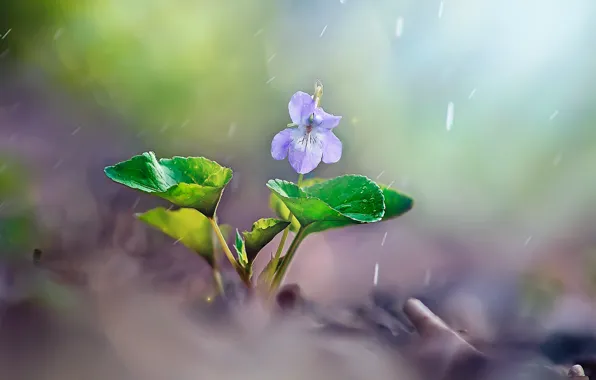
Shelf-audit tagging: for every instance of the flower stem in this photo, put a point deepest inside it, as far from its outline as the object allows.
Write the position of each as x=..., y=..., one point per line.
x=280, y=248
x=282, y=242
x=287, y=259
x=228, y=253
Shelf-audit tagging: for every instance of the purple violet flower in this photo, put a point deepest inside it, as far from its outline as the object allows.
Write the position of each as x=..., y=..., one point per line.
x=311, y=139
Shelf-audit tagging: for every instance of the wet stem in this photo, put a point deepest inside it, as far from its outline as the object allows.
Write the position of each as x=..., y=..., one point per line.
x=285, y=264
x=216, y=272
x=272, y=270
x=222, y=241
x=280, y=248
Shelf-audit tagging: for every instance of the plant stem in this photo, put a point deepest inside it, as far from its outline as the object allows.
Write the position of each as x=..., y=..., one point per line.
x=215, y=271
x=287, y=259
x=280, y=248
x=282, y=242
x=228, y=253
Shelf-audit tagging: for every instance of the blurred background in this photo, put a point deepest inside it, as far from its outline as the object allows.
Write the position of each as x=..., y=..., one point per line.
x=482, y=111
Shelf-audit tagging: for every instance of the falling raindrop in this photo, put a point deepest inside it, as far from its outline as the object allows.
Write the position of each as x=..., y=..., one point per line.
x=391, y=184
x=184, y=123
x=380, y=174
x=557, y=159
x=323, y=31
x=75, y=131
x=527, y=241
x=376, y=275
x=342, y=1
x=134, y=205
x=235, y=182
x=384, y=238
x=553, y=115
x=258, y=32
x=164, y=128
x=270, y=80
x=271, y=58
x=58, y=33
x=472, y=94
x=6, y=34
x=441, y=9
x=427, y=277
x=399, y=27
x=57, y=164
x=450, y=115
x=232, y=130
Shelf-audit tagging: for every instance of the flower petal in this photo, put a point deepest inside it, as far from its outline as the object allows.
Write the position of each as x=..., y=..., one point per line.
x=301, y=106
x=332, y=147
x=281, y=143
x=325, y=120
x=306, y=152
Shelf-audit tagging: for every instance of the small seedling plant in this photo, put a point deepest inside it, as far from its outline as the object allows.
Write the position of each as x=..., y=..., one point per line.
x=314, y=205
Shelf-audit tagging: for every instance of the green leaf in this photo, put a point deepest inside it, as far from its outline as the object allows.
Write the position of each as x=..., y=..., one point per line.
x=312, y=181
x=241, y=251
x=185, y=181
x=396, y=203
x=283, y=212
x=338, y=202
x=261, y=233
x=186, y=225
x=280, y=209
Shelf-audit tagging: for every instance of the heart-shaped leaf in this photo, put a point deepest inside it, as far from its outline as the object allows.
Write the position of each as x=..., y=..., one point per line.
x=396, y=203
x=283, y=212
x=261, y=233
x=185, y=181
x=186, y=225
x=338, y=202
x=249, y=244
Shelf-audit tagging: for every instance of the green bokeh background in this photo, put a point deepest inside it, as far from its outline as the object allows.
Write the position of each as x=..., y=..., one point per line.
x=213, y=78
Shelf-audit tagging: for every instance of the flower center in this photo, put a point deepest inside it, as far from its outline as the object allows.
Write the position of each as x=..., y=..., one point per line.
x=311, y=120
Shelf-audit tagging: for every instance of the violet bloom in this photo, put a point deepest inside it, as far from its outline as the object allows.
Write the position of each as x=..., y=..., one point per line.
x=311, y=139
